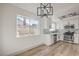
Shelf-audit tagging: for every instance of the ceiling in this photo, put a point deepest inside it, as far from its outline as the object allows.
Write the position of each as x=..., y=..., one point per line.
x=57, y=7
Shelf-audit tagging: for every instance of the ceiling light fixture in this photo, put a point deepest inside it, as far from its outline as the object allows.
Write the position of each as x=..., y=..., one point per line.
x=45, y=9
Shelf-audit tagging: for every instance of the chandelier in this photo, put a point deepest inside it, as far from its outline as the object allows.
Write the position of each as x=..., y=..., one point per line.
x=45, y=9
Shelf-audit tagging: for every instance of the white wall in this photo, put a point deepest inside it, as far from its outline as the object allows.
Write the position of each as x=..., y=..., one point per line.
x=1, y=29
x=10, y=43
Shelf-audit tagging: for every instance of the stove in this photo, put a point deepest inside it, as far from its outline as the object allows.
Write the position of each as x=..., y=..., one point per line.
x=69, y=36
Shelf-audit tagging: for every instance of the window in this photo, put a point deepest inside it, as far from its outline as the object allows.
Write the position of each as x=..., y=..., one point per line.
x=27, y=26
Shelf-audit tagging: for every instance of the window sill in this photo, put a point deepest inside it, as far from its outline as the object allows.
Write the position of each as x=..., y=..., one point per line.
x=27, y=36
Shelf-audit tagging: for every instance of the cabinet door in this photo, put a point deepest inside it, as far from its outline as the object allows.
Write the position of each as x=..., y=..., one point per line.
x=76, y=38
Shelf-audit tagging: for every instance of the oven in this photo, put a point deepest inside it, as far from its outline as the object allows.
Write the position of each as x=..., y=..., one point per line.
x=69, y=36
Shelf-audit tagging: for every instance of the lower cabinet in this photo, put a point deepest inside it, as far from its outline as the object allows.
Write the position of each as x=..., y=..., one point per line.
x=48, y=40
x=76, y=38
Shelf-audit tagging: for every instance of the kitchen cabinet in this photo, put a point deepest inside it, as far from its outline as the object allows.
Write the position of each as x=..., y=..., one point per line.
x=76, y=38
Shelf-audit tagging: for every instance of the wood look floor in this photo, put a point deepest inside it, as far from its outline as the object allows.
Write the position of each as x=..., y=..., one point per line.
x=58, y=49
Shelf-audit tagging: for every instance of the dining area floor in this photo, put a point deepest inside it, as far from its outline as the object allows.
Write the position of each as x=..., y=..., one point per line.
x=60, y=48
